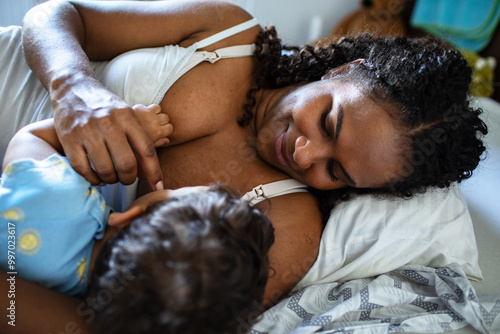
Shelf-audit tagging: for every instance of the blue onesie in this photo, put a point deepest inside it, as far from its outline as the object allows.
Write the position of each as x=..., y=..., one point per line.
x=56, y=216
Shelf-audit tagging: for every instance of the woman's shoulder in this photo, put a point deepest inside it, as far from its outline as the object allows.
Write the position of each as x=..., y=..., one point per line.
x=298, y=228
x=291, y=209
x=294, y=209
x=227, y=14
x=224, y=15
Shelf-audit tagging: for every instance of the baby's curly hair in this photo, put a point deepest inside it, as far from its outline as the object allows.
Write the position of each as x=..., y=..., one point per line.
x=425, y=78
x=197, y=263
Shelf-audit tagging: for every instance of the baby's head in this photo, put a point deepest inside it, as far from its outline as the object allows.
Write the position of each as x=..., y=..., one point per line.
x=196, y=263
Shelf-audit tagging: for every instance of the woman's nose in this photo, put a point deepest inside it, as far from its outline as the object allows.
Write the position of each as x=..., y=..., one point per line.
x=308, y=152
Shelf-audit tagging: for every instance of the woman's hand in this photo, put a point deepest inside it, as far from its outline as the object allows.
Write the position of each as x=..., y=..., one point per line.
x=96, y=128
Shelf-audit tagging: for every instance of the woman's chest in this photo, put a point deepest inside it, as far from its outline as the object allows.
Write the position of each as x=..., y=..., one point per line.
x=208, y=99
x=228, y=157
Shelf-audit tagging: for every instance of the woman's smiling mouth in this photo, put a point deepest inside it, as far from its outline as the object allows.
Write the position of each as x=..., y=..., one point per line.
x=280, y=149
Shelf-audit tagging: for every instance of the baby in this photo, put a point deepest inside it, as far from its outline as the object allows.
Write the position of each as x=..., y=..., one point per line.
x=177, y=261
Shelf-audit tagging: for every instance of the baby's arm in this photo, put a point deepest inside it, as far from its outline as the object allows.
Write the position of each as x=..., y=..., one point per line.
x=39, y=140
x=36, y=141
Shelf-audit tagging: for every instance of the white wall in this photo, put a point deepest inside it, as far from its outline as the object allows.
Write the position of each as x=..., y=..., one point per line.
x=12, y=11
x=299, y=21
x=294, y=19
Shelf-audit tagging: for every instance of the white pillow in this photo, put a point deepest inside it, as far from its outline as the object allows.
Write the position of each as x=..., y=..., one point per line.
x=368, y=236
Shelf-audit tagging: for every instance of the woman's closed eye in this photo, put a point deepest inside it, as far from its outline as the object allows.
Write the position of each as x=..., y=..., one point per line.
x=322, y=122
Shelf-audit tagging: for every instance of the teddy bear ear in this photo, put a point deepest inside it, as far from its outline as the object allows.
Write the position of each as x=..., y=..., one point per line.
x=367, y=3
x=341, y=69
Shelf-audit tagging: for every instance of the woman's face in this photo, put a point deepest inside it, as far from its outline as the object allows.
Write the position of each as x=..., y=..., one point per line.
x=329, y=135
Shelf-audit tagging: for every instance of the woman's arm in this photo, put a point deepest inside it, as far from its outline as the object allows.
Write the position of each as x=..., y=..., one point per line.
x=298, y=229
x=61, y=37
x=34, y=309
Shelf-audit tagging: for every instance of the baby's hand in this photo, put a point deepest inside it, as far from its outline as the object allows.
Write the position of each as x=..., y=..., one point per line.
x=155, y=123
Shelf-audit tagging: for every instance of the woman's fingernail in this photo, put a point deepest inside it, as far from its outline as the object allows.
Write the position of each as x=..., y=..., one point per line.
x=159, y=185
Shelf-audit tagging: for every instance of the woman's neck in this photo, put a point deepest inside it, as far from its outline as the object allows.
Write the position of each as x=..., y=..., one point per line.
x=266, y=100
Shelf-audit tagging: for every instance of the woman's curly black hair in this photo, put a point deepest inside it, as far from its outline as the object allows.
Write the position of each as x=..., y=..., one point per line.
x=425, y=78
x=197, y=263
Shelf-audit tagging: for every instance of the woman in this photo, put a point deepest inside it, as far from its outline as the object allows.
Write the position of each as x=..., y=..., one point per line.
x=387, y=116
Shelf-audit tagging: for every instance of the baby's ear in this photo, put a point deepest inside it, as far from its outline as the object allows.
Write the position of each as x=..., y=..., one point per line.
x=122, y=219
x=341, y=69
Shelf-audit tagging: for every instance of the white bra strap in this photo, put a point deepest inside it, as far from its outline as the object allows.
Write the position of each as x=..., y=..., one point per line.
x=236, y=51
x=226, y=33
x=273, y=189
x=229, y=52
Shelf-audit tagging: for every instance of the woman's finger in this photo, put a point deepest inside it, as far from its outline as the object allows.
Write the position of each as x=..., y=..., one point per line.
x=125, y=161
x=147, y=160
x=78, y=159
x=101, y=160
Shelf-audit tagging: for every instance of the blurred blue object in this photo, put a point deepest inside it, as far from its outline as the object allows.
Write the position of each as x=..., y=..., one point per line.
x=467, y=24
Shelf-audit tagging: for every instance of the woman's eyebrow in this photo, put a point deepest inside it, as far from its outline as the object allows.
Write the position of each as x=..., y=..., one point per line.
x=340, y=117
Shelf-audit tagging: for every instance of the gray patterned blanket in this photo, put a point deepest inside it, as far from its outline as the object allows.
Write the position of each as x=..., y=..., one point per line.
x=414, y=299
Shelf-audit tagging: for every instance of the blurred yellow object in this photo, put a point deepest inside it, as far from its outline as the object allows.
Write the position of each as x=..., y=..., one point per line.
x=482, y=73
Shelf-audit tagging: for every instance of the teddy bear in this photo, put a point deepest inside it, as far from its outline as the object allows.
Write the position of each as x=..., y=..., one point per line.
x=377, y=17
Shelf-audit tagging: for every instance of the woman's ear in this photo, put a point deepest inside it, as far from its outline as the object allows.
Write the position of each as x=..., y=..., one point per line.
x=341, y=69
x=122, y=219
